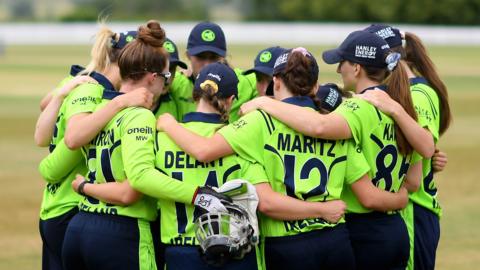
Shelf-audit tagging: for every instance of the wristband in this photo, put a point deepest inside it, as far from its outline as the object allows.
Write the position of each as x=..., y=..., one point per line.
x=81, y=187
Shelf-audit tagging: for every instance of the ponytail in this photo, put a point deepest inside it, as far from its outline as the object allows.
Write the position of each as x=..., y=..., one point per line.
x=398, y=88
x=208, y=93
x=101, y=51
x=417, y=58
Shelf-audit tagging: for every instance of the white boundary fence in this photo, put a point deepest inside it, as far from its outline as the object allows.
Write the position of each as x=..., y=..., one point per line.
x=236, y=33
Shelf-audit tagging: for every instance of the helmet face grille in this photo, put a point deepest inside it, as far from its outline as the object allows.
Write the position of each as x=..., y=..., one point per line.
x=224, y=235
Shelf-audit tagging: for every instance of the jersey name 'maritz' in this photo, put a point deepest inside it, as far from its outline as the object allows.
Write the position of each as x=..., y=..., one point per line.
x=296, y=165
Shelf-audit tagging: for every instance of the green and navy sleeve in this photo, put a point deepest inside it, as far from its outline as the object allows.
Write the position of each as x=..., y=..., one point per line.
x=138, y=135
x=357, y=113
x=426, y=108
x=59, y=164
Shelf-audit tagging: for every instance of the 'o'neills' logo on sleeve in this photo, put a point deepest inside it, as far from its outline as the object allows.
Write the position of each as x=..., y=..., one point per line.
x=144, y=130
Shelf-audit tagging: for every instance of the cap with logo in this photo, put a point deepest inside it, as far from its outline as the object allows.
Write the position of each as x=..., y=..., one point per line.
x=391, y=35
x=359, y=47
x=207, y=37
x=265, y=61
x=220, y=77
x=123, y=39
x=172, y=50
x=282, y=60
x=329, y=96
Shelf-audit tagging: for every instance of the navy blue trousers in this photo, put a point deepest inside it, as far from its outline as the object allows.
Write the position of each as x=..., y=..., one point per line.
x=379, y=241
x=52, y=232
x=328, y=248
x=427, y=235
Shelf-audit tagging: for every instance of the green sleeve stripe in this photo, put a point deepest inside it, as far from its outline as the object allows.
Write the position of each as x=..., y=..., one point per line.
x=266, y=121
x=432, y=106
x=271, y=121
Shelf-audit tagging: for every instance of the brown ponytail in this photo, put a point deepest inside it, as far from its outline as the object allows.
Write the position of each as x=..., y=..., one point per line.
x=208, y=93
x=417, y=58
x=398, y=88
x=145, y=53
x=299, y=77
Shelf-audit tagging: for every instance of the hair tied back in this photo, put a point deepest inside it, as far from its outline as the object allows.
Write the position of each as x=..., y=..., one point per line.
x=392, y=60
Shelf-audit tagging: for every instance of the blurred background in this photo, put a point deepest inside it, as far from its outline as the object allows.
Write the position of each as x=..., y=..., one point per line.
x=40, y=39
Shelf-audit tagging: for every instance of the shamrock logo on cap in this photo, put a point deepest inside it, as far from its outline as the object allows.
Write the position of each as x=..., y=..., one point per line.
x=265, y=57
x=129, y=38
x=208, y=35
x=169, y=46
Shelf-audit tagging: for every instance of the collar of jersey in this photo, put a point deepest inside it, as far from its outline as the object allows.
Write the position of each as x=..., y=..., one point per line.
x=75, y=69
x=418, y=80
x=213, y=118
x=381, y=87
x=102, y=80
x=164, y=98
x=109, y=94
x=301, y=101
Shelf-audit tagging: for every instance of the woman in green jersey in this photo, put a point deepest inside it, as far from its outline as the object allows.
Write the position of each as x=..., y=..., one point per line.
x=430, y=97
x=59, y=168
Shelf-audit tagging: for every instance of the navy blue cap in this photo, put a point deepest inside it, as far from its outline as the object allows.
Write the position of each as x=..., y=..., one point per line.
x=207, y=37
x=265, y=61
x=172, y=50
x=220, y=77
x=359, y=47
x=282, y=60
x=124, y=39
x=391, y=35
x=329, y=96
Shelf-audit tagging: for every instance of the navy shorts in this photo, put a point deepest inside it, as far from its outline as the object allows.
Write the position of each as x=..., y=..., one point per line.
x=327, y=248
x=380, y=241
x=52, y=231
x=100, y=241
x=427, y=235
x=188, y=257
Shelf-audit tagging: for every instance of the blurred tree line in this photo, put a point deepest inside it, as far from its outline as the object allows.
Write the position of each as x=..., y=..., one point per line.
x=466, y=12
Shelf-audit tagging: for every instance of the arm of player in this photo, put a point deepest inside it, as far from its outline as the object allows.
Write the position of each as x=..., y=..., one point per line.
x=46, y=100
x=58, y=164
x=282, y=207
x=420, y=138
x=83, y=127
x=377, y=199
x=53, y=101
x=413, y=177
x=306, y=121
x=202, y=148
x=112, y=192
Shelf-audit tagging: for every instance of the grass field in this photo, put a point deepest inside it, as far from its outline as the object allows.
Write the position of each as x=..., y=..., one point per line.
x=27, y=73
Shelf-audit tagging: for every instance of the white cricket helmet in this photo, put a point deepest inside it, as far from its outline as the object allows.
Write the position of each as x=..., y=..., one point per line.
x=232, y=234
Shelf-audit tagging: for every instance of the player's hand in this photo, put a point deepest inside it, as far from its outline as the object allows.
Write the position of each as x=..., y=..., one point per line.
x=72, y=84
x=381, y=100
x=210, y=200
x=165, y=120
x=139, y=97
x=78, y=180
x=333, y=211
x=253, y=105
x=439, y=160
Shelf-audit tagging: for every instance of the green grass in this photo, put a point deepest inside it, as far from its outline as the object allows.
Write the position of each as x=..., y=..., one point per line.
x=28, y=72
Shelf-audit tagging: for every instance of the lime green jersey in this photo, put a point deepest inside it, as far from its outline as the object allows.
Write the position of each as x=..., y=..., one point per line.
x=166, y=104
x=247, y=90
x=426, y=104
x=59, y=168
x=123, y=150
x=177, y=218
x=374, y=133
x=296, y=165
x=181, y=92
